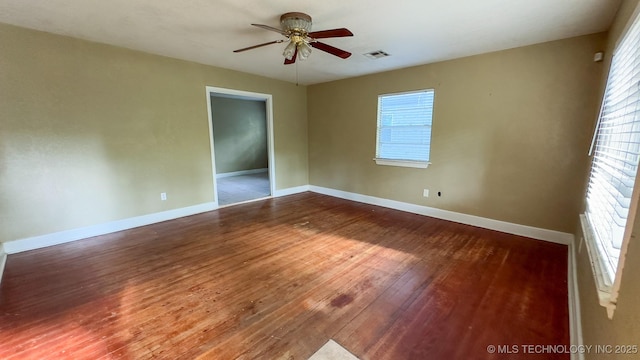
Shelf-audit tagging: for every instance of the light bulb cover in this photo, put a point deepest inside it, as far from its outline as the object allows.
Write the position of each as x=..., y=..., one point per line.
x=290, y=50
x=304, y=50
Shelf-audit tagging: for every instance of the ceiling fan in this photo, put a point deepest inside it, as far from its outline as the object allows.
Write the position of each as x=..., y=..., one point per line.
x=296, y=27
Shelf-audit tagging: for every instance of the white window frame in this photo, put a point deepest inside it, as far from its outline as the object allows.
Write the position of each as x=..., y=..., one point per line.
x=401, y=162
x=608, y=287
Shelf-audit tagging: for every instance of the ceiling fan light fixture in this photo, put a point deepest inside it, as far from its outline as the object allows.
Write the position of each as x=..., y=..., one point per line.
x=304, y=50
x=290, y=50
x=296, y=28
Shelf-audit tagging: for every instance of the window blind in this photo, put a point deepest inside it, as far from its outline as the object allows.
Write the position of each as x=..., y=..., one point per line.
x=616, y=153
x=404, y=126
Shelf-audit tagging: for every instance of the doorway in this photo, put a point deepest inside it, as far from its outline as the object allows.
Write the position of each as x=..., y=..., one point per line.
x=241, y=137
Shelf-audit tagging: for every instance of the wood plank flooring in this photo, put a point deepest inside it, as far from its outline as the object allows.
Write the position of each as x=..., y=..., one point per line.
x=276, y=279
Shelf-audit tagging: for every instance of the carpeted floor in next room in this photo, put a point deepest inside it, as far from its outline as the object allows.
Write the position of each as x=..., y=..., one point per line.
x=235, y=189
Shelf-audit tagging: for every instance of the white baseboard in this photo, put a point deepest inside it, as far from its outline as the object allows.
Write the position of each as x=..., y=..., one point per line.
x=575, y=318
x=510, y=228
x=37, y=242
x=241, y=172
x=3, y=261
x=291, y=191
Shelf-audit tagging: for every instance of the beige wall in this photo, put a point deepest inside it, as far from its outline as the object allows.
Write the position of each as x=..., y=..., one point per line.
x=91, y=133
x=239, y=134
x=510, y=133
x=624, y=328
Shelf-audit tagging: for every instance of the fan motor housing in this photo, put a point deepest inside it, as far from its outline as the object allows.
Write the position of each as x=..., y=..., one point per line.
x=296, y=23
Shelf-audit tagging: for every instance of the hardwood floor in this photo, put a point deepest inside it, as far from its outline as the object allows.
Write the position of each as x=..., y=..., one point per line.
x=276, y=279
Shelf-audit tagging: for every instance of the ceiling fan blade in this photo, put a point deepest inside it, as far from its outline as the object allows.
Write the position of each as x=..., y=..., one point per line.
x=293, y=59
x=257, y=46
x=270, y=28
x=342, y=32
x=330, y=49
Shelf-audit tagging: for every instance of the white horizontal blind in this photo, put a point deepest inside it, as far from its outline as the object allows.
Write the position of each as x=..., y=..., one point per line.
x=616, y=152
x=404, y=126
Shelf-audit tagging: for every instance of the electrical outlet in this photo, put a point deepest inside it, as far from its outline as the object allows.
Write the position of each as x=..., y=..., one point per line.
x=425, y=192
x=163, y=196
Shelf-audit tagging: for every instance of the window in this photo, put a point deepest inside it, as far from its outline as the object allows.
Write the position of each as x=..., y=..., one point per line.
x=404, y=129
x=611, y=199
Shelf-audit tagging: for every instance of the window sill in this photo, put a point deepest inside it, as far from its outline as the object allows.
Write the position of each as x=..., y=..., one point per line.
x=403, y=163
x=603, y=286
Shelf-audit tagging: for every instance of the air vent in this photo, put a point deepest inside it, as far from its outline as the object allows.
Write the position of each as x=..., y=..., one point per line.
x=376, y=54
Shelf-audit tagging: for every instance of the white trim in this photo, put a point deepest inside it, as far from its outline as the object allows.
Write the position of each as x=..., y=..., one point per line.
x=575, y=318
x=291, y=191
x=510, y=228
x=603, y=289
x=211, y=147
x=246, y=95
x=245, y=202
x=241, y=172
x=3, y=261
x=37, y=242
x=402, y=163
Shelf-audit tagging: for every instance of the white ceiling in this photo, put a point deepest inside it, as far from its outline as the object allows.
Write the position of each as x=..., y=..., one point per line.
x=414, y=32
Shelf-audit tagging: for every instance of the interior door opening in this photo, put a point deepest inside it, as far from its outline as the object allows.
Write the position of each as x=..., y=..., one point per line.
x=241, y=146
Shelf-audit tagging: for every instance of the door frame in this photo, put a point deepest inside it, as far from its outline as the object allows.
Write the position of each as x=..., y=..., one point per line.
x=242, y=95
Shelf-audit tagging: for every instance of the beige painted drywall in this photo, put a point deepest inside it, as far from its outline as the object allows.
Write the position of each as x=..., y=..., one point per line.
x=624, y=328
x=239, y=134
x=510, y=133
x=91, y=133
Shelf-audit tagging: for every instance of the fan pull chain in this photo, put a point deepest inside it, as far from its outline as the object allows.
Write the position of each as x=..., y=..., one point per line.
x=297, y=73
